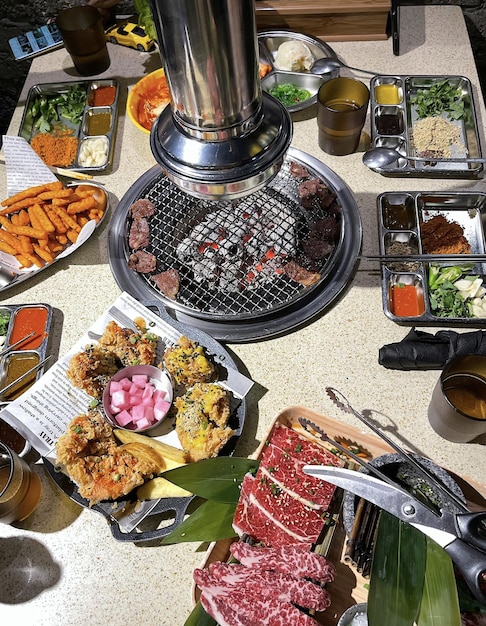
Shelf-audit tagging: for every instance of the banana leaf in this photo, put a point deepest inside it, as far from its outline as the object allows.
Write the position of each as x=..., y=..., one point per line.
x=199, y=617
x=217, y=479
x=440, y=602
x=397, y=573
x=209, y=522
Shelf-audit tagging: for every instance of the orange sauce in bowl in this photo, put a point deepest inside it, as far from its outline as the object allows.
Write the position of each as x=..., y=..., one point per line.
x=29, y=319
x=407, y=301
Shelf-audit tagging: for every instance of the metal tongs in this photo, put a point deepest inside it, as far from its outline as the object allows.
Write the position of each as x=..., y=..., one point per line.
x=461, y=533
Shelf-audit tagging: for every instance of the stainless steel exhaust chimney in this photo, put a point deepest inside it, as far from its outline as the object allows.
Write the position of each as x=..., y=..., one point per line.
x=221, y=138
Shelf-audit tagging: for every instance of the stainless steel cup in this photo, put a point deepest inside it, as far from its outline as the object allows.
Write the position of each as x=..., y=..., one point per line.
x=457, y=410
x=342, y=104
x=84, y=38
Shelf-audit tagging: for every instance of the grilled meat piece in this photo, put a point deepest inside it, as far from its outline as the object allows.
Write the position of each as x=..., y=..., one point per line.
x=298, y=273
x=142, y=208
x=168, y=282
x=139, y=235
x=314, y=191
x=298, y=171
x=142, y=262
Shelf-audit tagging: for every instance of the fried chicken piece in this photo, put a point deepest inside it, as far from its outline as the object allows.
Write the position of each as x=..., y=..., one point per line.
x=202, y=420
x=187, y=363
x=118, y=347
x=130, y=347
x=92, y=369
x=90, y=455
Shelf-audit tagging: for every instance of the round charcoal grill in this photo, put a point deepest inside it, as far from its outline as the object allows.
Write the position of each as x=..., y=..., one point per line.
x=242, y=303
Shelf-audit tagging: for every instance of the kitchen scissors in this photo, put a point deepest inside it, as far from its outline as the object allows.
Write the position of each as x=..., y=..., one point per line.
x=461, y=534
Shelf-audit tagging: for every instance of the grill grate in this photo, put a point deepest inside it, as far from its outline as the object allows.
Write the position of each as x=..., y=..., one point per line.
x=179, y=213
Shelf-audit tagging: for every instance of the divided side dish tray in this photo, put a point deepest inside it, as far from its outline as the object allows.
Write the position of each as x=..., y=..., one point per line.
x=349, y=587
x=155, y=519
x=400, y=217
x=406, y=116
x=81, y=131
x=269, y=42
x=31, y=352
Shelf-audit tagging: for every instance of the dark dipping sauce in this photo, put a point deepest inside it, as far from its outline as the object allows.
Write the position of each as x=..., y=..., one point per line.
x=16, y=365
x=389, y=124
x=27, y=320
x=10, y=437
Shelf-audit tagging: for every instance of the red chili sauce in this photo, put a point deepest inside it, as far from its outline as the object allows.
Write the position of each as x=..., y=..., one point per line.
x=27, y=320
x=104, y=96
x=406, y=301
x=11, y=437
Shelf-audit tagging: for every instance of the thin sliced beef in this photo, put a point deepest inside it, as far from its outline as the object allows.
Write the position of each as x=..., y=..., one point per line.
x=294, y=560
x=233, y=606
x=300, y=275
x=142, y=208
x=287, y=588
x=168, y=282
x=139, y=235
x=142, y=261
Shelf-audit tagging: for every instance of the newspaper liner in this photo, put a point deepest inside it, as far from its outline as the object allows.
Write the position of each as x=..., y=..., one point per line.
x=26, y=169
x=43, y=412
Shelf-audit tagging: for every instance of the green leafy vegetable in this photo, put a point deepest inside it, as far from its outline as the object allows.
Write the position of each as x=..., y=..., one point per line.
x=145, y=19
x=199, y=617
x=289, y=94
x=47, y=110
x=211, y=521
x=440, y=603
x=440, y=97
x=397, y=573
x=217, y=479
x=445, y=299
x=4, y=320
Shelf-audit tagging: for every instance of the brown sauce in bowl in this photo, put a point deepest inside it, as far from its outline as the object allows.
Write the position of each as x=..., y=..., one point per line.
x=10, y=437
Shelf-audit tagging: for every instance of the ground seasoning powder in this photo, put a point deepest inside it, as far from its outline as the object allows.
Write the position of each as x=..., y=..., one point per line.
x=57, y=150
x=437, y=135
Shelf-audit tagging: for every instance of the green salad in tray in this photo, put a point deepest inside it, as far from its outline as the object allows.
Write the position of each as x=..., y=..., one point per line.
x=289, y=94
x=453, y=292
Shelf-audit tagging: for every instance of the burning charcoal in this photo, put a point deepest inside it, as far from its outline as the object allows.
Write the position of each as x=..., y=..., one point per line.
x=142, y=208
x=298, y=171
x=139, y=235
x=142, y=262
x=168, y=282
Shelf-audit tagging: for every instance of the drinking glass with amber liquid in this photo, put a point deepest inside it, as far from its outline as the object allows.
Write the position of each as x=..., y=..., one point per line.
x=20, y=487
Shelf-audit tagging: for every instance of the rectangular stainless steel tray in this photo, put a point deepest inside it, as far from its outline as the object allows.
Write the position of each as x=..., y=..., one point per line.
x=33, y=350
x=402, y=140
x=400, y=219
x=80, y=131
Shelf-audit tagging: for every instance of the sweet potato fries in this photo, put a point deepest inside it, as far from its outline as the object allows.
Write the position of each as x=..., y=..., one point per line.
x=40, y=222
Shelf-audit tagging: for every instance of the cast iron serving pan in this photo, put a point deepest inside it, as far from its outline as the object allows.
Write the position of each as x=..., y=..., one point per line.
x=130, y=520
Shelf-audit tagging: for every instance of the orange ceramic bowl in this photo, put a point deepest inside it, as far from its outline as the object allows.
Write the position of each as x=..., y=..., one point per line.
x=147, y=100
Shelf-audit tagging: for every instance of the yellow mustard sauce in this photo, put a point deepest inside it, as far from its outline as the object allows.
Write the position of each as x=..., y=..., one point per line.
x=387, y=94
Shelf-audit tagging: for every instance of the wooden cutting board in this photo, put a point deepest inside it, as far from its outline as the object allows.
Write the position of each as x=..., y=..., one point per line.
x=349, y=587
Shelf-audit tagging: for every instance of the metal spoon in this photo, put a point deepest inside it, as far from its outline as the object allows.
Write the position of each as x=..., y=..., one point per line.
x=328, y=65
x=382, y=156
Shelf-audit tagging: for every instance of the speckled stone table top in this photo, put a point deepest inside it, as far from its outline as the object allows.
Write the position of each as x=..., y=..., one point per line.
x=61, y=567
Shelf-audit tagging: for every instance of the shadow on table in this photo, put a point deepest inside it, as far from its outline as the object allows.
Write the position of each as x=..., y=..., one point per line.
x=26, y=569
